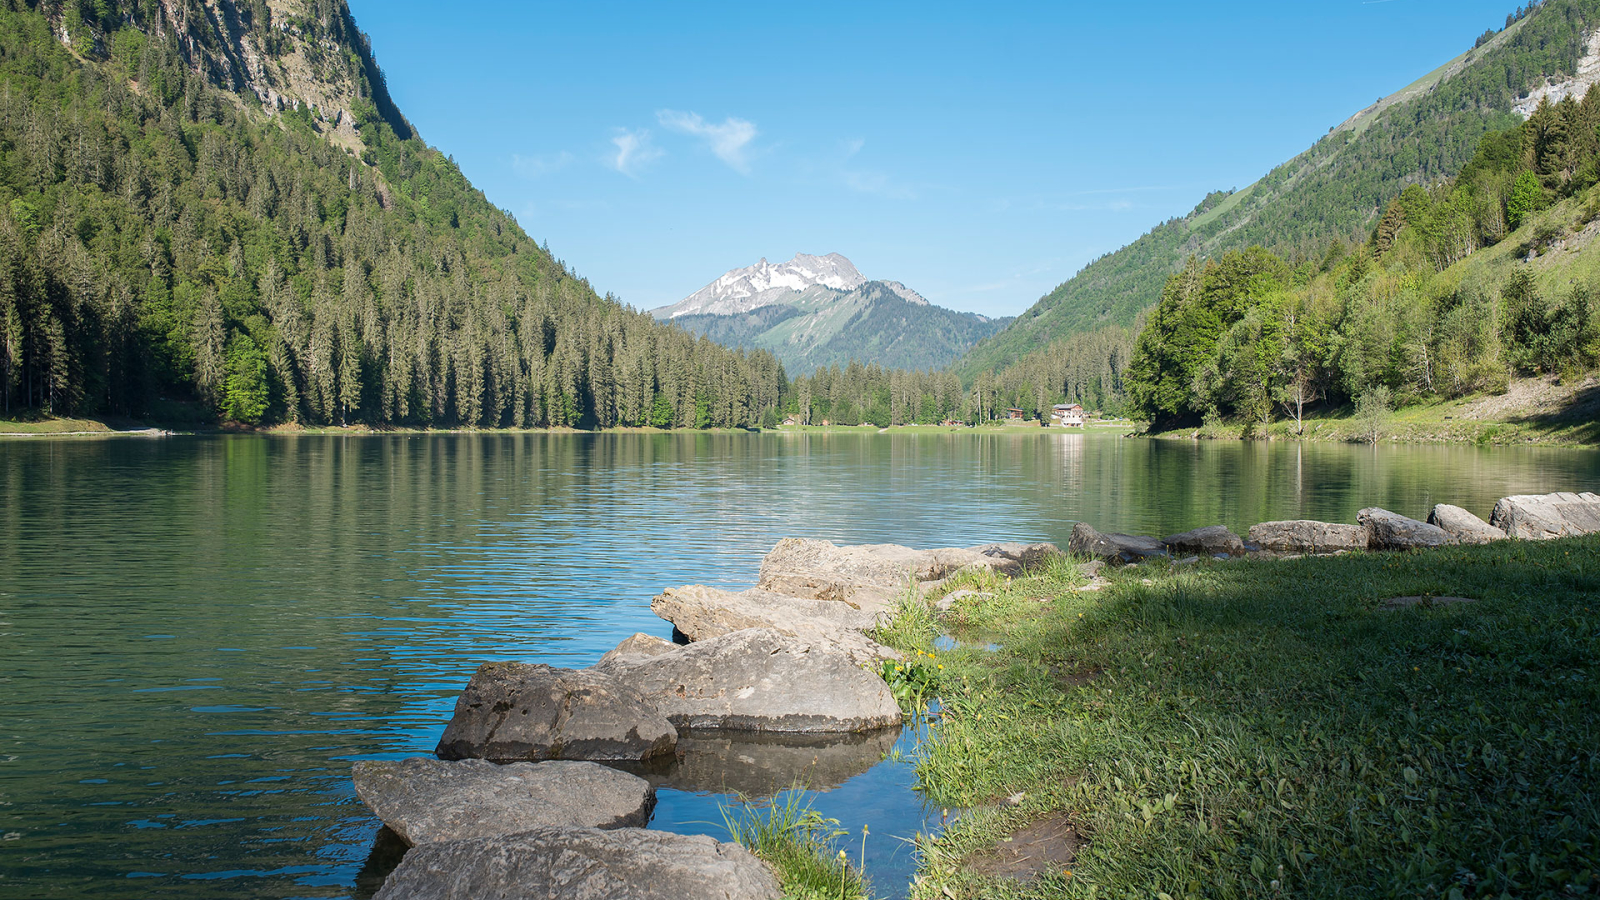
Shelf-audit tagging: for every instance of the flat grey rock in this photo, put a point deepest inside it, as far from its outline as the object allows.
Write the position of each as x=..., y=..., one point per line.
x=948, y=601
x=428, y=800
x=764, y=681
x=1306, y=536
x=1538, y=517
x=870, y=577
x=1464, y=527
x=518, y=711
x=1013, y=558
x=701, y=612
x=1391, y=531
x=1112, y=547
x=1209, y=541
x=582, y=864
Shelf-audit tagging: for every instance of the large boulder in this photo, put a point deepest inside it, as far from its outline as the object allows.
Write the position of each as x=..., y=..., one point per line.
x=517, y=711
x=427, y=800
x=1013, y=558
x=1213, y=540
x=1537, y=517
x=765, y=681
x=582, y=864
x=870, y=577
x=1306, y=536
x=701, y=613
x=1111, y=547
x=1464, y=527
x=1391, y=531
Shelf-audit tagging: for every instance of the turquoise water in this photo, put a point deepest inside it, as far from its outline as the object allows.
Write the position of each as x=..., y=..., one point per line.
x=198, y=635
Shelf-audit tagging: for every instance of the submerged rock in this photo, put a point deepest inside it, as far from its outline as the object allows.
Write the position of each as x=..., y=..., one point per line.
x=1113, y=548
x=870, y=577
x=427, y=800
x=701, y=612
x=1537, y=517
x=582, y=864
x=1462, y=526
x=1307, y=536
x=1391, y=531
x=1209, y=541
x=516, y=711
x=762, y=680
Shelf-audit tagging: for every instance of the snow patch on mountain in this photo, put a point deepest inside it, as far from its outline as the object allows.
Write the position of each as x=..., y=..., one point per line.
x=764, y=284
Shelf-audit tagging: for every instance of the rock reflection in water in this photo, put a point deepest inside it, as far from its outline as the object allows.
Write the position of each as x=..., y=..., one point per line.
x=387, y=850
x=757, y=765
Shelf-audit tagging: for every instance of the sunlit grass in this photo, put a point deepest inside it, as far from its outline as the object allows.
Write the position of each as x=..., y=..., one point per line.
x=1270, y=729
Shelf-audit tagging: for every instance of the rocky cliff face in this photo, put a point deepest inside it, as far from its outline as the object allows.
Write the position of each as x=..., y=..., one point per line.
x=289, y=55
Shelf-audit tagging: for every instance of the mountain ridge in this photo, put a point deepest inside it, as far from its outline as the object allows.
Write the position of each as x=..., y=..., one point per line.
x=818, y=311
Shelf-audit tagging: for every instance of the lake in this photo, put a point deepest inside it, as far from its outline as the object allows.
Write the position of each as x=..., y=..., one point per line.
x=198, y=635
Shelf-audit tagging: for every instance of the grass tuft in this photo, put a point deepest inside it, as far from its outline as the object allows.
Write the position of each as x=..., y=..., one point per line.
x=801, y=846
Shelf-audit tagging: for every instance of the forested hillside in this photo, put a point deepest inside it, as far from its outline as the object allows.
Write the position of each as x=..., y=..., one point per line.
x=1493, y=274
x=1335, y=190
x=213, y=209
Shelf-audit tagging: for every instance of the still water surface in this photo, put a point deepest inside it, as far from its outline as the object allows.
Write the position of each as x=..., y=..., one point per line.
x=199, y=635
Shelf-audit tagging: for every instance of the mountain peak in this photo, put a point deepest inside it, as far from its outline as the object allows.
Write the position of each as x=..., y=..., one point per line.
x=742, y=290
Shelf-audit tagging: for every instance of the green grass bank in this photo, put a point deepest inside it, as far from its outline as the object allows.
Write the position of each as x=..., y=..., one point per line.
x=1274, y=729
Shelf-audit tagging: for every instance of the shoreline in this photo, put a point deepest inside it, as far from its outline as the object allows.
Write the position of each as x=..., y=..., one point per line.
x=145, y=430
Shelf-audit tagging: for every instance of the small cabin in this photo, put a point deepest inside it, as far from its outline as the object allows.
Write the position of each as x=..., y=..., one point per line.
x=1016, y=414
x=1067, y=415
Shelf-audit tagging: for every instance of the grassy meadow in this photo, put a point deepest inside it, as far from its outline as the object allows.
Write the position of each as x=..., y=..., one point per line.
x=1272, y=729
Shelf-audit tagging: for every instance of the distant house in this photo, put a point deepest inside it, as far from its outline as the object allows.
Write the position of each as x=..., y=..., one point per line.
x=1016, y=414
x=1069, y=415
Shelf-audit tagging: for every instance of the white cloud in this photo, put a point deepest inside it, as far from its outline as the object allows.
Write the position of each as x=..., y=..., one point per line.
x=539, y=166
x=634, y=151
x=729, y=141
x=878, y=185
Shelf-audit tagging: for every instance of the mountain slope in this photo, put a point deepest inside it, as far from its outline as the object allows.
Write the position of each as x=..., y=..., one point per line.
x=875, y=324
x=817, y=311
x=1335, y=190
x=212, y=208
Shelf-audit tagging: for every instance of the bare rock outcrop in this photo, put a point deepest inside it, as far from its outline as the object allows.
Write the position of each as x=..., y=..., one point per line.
x=427, y=800
x=1391, y=531
x=520, y=712
x=1113, y=548
x=1307, y=536
x=1464, y=527
x=762, y=680
x=1538, y=517
x=582, y=864
x=700, y=613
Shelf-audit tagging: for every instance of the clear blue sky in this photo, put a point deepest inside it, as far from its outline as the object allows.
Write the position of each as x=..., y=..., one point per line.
x=979, y=152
